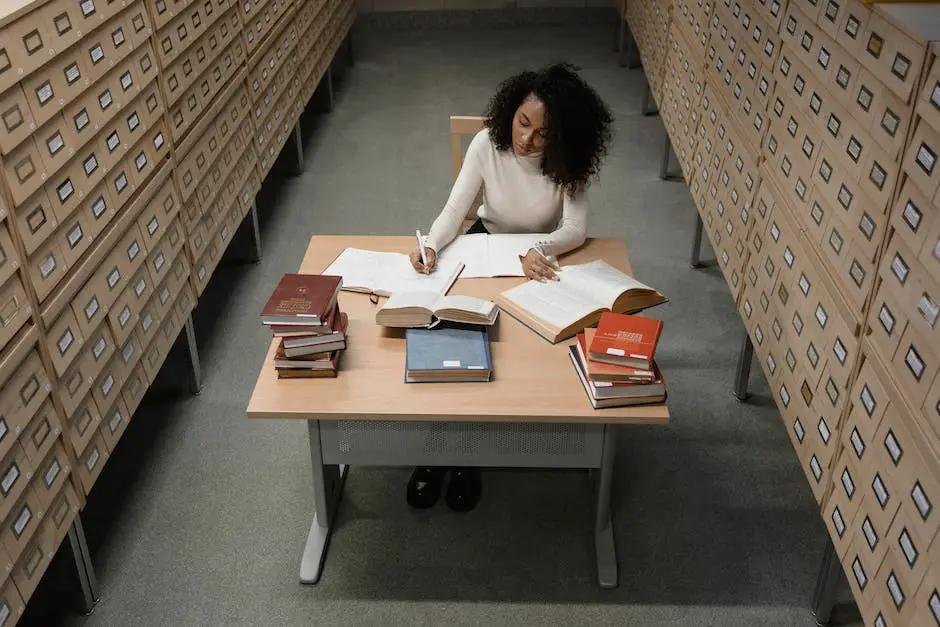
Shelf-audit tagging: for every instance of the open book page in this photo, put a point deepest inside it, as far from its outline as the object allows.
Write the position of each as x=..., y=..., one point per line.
x=465, y=303
x=599, y=281
x=396, y=274
x=489, y=255
x=357, y=267
x=559, y=303
x=424, y=299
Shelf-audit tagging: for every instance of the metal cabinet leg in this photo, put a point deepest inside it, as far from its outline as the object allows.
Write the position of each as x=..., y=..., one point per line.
x=664, y=172
x=604, y=544
x=83, y=567
x=824, y=597
x=621, y=36
x=328, y=484
x=696, y=260
x=255, y=231
x=193, y=350
x=647, y=97
x=329, y=87
x=632, y=54
x=743, y=370
x=298, y=150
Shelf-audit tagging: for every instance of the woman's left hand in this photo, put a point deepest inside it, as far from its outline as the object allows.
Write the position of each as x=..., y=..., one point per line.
x=538, y=268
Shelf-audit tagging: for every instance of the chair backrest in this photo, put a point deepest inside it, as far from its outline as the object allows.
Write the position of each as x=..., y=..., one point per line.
x=461, y=125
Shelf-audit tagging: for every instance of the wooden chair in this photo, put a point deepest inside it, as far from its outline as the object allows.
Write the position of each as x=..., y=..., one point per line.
x=461, y=126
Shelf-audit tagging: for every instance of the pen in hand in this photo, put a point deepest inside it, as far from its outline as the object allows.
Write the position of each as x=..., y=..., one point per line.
x=424, y=255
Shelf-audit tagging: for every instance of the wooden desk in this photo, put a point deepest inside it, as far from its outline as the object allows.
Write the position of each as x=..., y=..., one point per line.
x=533, y=414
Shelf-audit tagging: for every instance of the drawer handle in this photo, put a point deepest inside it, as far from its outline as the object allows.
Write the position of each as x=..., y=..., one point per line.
x=29, y=390
x=9, y=310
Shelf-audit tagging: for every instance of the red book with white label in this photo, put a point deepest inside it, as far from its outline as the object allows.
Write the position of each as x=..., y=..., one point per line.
x=598, y=372
x=625, y=340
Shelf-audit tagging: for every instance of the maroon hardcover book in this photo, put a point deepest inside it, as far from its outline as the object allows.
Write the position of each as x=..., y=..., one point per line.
x=302, y=299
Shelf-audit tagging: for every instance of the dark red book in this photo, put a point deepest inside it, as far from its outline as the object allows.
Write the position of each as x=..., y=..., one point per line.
x=298, y=330
x=325, y=369
x=625, y=340
x=317, y=343
x=302, y=299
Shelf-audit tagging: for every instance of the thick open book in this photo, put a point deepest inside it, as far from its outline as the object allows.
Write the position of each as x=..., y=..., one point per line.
x=425, y=309
x=489, y=255
x=382, y=273
x=558, y=310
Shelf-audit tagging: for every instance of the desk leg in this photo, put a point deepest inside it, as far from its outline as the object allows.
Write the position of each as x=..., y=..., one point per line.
x=824, y=598
x=327, y=488
x=604, y=545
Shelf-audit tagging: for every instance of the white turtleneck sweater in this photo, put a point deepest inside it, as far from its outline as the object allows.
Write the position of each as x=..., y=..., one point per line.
x=517, y=198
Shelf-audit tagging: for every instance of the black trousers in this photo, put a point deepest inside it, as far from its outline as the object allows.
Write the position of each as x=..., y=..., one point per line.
x=477, y=227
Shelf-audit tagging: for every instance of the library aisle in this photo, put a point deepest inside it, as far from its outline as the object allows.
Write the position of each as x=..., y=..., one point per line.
x=200, y=515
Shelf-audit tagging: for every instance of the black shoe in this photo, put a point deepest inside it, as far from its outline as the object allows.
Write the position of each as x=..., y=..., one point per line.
x=463, y=492
x=424, y=487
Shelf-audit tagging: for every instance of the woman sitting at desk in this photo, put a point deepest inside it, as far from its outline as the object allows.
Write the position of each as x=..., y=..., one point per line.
x=545, y=137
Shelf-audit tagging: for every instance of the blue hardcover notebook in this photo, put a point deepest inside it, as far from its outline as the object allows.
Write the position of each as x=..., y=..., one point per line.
x=447, y=353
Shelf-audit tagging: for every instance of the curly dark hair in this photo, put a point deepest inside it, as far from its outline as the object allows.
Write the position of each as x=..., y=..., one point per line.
x=579, y=123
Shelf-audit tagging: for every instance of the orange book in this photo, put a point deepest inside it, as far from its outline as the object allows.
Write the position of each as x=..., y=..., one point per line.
x=602, y=372
x=625, y=340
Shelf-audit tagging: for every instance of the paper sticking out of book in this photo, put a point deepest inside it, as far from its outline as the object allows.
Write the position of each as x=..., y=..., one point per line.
x=557, y=310
x=447, y=355
x=600, y=372
x=426, y=309
x=487, y=255
x=625, y=340
x=383, y=274
x=602, y=395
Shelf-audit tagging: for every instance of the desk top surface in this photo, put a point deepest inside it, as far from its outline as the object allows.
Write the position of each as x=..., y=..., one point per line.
x=533, y=380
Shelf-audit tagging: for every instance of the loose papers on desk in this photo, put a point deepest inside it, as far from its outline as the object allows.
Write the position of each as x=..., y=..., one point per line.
x=490, y=255
x=383, y=274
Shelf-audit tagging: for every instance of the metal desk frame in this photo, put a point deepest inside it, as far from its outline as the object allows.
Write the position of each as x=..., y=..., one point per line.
x=330, y=466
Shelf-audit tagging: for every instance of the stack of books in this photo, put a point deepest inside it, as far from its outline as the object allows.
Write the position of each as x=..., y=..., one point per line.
x=616, y=364
x=304, y=314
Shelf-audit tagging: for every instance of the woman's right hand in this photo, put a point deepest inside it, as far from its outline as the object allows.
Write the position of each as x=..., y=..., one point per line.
x=418, y=265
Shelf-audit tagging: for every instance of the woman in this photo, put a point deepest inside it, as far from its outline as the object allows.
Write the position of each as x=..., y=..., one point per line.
x=545, y=136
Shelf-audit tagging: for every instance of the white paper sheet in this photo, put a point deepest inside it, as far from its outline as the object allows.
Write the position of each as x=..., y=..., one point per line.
x=487, y=256
x=385, y=273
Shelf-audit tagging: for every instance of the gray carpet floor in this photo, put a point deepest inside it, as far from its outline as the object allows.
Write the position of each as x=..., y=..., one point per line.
x=201, y=515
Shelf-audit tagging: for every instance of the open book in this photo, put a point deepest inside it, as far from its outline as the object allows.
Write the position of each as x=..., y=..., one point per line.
x=557, y=310
x=372, y=272
x=489, y=255
x=419, y=309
